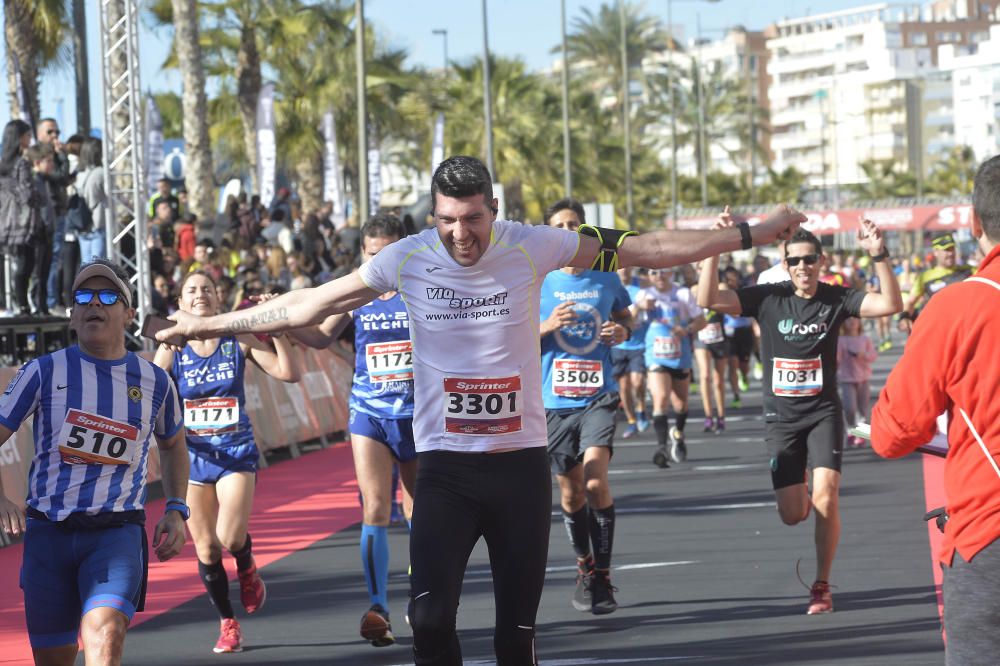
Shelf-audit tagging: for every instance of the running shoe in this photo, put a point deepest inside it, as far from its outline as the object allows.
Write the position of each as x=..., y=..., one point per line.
x=736, y=403
x=693, y=388
x=758, y=370
x=230, y=637
x=708, y=424
x=885, y=346
x=630, y=431
x=375, y=627
x=744, y=384
x=253, y=592
x=720, y=425
x=678, y=449
x=584, y=576
x=820, y=599
x=661, y=458
x=602, y=597
x=641, y=422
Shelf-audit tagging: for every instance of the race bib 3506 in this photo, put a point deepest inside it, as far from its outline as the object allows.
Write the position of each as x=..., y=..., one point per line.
x=486, y=406
x=574, y=378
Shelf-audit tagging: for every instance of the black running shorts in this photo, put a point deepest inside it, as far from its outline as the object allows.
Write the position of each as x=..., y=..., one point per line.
x=817, y=441
x=572, y=431
x=627, y=360
x=741, y=343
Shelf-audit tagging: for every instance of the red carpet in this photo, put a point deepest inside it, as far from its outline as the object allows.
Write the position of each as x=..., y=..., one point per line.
x=297, y=503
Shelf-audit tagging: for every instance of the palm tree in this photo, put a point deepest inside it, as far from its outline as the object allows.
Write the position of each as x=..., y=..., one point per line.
x=782, y=187
x=35, y=32
x=884, y=181
x=953, y=173
x=198, y=177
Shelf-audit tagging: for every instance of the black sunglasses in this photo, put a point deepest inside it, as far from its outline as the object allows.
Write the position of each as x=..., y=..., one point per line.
x=810, y=259
x=106, y=296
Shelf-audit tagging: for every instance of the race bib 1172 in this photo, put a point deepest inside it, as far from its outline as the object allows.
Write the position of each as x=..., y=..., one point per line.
x=89, y=439
x=487, y=406
x=797, y=377
x=389, y=361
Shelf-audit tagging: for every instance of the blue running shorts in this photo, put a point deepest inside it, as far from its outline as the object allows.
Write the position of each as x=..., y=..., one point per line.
x=397, y=434
x=210, y=464
x=66, y=573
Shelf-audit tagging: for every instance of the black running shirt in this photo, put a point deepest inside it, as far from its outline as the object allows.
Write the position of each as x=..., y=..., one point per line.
x=799, y=344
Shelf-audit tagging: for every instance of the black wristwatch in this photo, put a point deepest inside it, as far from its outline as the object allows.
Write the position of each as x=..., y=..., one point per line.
x=745, y=238
x=881, y=256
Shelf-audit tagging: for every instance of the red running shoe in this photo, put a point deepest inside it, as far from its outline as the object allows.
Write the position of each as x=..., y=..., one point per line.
x=230, y=637
x=820, y=599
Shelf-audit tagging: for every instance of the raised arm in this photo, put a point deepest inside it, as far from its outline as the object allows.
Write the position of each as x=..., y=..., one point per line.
x=322, y=336
x=666, y=247
x=889, y=300
x=295, y=309
x=278, y=362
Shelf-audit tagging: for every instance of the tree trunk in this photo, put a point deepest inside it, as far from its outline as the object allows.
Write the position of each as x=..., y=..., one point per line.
x=80, y=68
x=20, y=38
x=309, y=169
x=198, y=177
x=249, y=83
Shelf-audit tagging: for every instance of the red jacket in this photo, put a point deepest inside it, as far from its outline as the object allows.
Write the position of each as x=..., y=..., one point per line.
x=952, y=362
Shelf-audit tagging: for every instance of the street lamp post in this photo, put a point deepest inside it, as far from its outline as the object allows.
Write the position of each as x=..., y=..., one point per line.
x=626, y=123
x=567, y=162
x=487, y=101
x=444, y=34
x=359, y=38
x=702, y=153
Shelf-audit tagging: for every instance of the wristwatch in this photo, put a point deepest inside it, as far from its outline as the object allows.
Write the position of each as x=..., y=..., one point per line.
x=881, y=256
x=745, y=239
x=178, y=505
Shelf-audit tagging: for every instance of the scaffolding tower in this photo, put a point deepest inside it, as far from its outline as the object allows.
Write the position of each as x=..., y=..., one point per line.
x=123, y=148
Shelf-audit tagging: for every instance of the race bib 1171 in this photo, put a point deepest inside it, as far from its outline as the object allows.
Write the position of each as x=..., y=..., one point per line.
x=212, y=416
x=487, y=406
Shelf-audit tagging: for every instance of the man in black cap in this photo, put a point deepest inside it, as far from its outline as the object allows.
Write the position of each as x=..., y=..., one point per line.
x=931, y=281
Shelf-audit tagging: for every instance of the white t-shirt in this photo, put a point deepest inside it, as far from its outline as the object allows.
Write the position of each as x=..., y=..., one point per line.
x=774, y=275
x=676, y=298
x=476, y=346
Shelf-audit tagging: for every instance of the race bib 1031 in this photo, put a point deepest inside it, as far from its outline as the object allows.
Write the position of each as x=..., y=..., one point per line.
x=797, y=377
x=487, y=406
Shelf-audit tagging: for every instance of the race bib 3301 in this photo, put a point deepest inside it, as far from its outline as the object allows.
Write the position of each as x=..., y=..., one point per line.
x=482, y=406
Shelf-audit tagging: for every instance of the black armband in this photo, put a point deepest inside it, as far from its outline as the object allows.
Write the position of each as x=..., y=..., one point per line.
x=746, y=241
x=606, y=260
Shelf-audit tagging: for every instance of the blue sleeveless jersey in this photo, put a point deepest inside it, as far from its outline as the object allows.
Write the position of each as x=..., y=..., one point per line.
x=383, y=364
x=576, y=365
x=212, y=397
x=673, y=308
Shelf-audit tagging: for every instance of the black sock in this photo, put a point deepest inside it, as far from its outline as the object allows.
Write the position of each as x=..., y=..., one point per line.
x=217, y=583
x=244, y=556
x=578, y=530
x=602, y=534
x=682, y=419
x=661, y=424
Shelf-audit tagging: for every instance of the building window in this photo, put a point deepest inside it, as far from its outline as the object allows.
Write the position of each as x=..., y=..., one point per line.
x=918, y=39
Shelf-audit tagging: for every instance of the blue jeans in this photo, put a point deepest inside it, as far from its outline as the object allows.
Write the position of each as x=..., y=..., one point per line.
x=53, y=284
x=92, y=246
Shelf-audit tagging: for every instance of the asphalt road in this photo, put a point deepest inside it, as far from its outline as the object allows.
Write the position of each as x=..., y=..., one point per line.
x=706, y=574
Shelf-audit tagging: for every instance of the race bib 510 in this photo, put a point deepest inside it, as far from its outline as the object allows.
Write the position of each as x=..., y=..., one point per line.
x=797, y=377
x=572, y=378
x=88, y=439
x=488, y=406
x=389, y=361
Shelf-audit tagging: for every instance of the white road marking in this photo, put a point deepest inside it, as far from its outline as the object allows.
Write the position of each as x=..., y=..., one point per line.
x=717, y=468
x=593, y=661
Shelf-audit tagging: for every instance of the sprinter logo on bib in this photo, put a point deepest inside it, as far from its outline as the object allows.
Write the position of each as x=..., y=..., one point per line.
x=212, y=416
x=88, y=439
x=797, y=377
x=489, y=406
x=389, y=361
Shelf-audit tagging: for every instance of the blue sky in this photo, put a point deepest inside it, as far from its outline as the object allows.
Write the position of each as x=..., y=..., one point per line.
x=517, y=28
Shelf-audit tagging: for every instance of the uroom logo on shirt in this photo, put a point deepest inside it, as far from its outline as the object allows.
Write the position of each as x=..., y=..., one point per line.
x=788, y=327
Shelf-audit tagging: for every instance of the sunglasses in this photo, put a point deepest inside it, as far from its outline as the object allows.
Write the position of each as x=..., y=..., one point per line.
x=106, y=296
x=810, y=259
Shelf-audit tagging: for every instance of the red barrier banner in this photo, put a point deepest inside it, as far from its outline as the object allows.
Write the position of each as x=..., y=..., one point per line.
x=823, y=222
x=281, y=413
